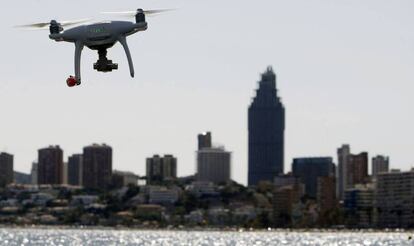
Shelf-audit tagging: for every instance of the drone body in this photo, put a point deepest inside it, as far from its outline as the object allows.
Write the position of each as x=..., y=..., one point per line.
x=98, y=36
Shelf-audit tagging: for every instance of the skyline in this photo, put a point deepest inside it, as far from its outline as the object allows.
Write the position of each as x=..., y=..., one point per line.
x=328, y=64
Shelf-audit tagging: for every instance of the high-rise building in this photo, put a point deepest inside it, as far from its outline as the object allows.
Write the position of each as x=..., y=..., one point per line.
x=204, y=140
x=357, y=172
x=33, y=173
x=310, y=169
x=161, y=169
x=213, y=164
x=6, y=169
x=50, y=165
x=394, y=199
x=352, y=169
x=75, y=163
x=266, y=126
x=65, y=173
x=344, y=153
x=359, y=205
x=284, y=199
x=97, y=166
x=326, y=194
x=380, y=164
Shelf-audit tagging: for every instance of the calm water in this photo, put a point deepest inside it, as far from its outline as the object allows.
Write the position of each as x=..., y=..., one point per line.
x=125, y=237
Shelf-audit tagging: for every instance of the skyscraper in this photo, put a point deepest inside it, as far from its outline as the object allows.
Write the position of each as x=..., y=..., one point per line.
x=266, y=126
x=6, y=169
x=380, y=164
x=204, y=140
x=97, y=166
x=50, y=165
x=344, y=153
x=357, y=172
x=310, y=169
x=352, y=169
x=160, y=169
x=75, y=169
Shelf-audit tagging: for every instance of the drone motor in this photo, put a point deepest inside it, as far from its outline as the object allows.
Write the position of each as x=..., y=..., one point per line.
x=140, y=16
x=55, y=27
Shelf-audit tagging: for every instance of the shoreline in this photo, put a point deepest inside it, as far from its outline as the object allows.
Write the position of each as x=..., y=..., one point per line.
x=198, y=229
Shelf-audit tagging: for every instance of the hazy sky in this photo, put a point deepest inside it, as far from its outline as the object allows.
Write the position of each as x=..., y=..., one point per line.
x=345, y=74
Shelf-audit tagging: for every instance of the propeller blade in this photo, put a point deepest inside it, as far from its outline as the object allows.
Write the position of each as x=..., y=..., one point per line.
x=134, y=12
x=156, y=11
x=45, y=25
x=35, y=25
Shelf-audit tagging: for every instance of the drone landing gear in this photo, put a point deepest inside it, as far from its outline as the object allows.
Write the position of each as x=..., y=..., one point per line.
x=103, y=64
x=72, y=81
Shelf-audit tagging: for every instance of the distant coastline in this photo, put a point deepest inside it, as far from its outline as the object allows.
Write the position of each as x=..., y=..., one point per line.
x=207, y=229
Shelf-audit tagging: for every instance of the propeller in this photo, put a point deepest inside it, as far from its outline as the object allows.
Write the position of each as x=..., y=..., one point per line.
x=134, y=12
x=45, y=25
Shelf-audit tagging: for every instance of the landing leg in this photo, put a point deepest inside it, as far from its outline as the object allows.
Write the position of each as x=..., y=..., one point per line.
x=78, y=52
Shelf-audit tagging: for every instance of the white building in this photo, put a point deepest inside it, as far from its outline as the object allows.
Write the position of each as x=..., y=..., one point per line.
x=127, y=178
x=213, y=164
x=163, y=196
x=202, y=188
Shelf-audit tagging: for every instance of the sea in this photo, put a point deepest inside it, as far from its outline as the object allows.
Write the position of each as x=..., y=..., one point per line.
x=53, y=236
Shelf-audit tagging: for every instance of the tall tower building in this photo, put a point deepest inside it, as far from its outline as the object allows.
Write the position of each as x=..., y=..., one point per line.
x=266, y=126
x=204, y=140
x=97, y=166
x=160, y=169
x=380, y=164
x=344, y=153
x=75, y=169
x=6, y=169
x=50, y=165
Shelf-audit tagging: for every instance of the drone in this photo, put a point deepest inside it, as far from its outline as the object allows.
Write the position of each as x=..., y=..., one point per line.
x=99, y=36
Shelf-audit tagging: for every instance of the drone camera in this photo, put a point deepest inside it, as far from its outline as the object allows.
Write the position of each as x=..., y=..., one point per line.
x=105, y=66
